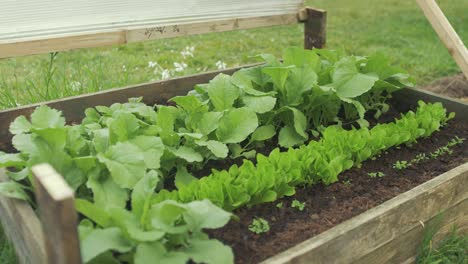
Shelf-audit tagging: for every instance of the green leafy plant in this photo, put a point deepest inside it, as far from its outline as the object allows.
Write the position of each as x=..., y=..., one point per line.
x=377, y=174
x=401, y=165
x=278, y=174
x=259, y=226
x=170, y=232
x=298, y=205
x=347, y=182
x=279, y=205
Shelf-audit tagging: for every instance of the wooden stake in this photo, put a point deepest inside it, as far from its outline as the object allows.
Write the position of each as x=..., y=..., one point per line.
x=315, y=28
x=446, y=33
x=58, y=216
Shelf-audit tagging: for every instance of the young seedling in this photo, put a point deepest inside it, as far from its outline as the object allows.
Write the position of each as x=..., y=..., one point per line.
x=420, y=157
x=400, y=165
x=347, y=182
x=297, y=204
x=259, y=226
x=279, y=205
x=378, y=174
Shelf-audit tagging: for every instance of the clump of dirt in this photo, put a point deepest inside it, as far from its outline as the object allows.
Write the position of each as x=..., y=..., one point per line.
x=453, y=86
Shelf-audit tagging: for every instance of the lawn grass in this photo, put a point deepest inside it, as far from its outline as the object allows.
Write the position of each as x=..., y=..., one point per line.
x=7, y=254
x=394, y=27
x=452, y=249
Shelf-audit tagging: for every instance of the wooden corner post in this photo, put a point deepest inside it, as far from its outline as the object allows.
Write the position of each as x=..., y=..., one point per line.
x=55, y=200
x=315, y=28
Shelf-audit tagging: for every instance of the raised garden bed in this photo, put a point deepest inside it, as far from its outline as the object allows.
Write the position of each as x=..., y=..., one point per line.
x=390, y=231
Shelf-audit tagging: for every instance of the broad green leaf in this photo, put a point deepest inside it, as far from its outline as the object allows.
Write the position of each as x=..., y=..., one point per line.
x=288, y=137
x=210, y=251
x=107, y=194
x=236, y=125
x=20, y=125
x=151, y=252
x=20, y=175
x=209, y=122
x=93, y=212
x=300, y=57
x=256, y=75
x=153, y=149
x=189, y=103
x=26, y=143
x=263, y=133
x=13, y=190
x=131, y=227
x=102, y=240
x=270, y=59
x=300, y=122
x=142, y=193
x=46, y=117
x=126, y=163
x=183, y=177
x=279, y=75
x=197, y=212
x=122, y=127
x=166, y=216
x=245, y=81
x=188, y=154
x=219, y=149
x=300, y=81
x=166, y=117
x=259, y=104
x=85, y=163
x=348, y=81
x=104, y=258
x=11, y=160
x=101, y=139
x=222, y=92
x=74, y=177
x=85, y=227
x=56, y=138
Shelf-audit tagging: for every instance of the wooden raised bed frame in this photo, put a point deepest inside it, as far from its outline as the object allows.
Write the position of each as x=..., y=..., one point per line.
x=389, y=232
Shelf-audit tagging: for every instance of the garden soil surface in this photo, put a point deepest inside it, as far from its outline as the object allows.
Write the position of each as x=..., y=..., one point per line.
x=327, y=206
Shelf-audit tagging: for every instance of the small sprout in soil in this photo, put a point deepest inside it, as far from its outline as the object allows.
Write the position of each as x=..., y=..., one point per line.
x=420, y=157
x=347, y=182
x=259, y=226
x=378, y=174
x=279, y=205
x=400, y=165
x=297, y=204
x=455, y=141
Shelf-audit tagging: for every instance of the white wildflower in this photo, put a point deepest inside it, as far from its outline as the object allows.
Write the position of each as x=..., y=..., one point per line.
x=221, y=65
x=75, y=86
x=166, y=74
x=152, y=64
x=124, y=68
x=187, y=52
x=180, y=66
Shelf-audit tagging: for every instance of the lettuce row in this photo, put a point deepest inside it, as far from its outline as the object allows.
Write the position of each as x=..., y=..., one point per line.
x=278, y=174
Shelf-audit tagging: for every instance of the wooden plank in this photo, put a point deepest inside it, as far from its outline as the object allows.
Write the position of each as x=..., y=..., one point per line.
x=315, y=33
x=446, y=33
x=73, y=107
x=366, y=233
x=410, y=96
x=22, y=227
x=44, y=44
x=403, y=247
x=58, y=215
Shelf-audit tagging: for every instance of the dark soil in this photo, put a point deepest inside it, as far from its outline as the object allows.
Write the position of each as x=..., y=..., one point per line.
x=327, y=206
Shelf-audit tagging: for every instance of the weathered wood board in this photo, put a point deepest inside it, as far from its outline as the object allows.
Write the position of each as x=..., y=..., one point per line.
x=21, y=225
